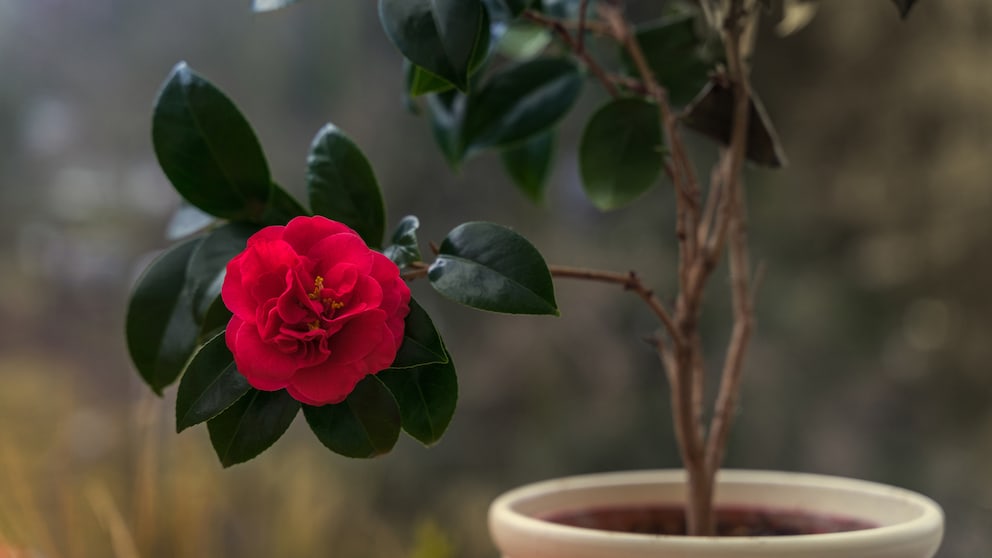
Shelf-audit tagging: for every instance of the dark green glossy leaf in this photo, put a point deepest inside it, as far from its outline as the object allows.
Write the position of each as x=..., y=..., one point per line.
x=366, y=424
x=342, y=185
x=281, y=207
x=270, y=5
x=712, y=114
x=519, y=102
x=441, y=36
x=421, y=342
x=528, y=164
x=677, y=55
x=404, y=249
x=210, y=384
x=251, y=425
x=620, y=152
x=207, y=265
x=186, y=221
x=420, y=81
x=207, y=148
x=215, y=319
x=161, y=331
x=446, y=111
x=490, y=267
x=426, y=396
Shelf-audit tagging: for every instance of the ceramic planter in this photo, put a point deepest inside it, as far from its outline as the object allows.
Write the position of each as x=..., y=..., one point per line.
x=909, y=525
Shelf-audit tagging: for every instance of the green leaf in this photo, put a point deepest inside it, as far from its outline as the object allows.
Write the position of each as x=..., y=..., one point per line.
x=160, y=329
x=620, y=152
x=186, y=221
x=528, y=164
x=560, y=9
x=270, y=5
x=441, y=36
x=677, y=56
x=426, y=396
x=366, y=424
x=404, y=249
x=516, y=7
x=214, y=320
x=281, y=207
x=446, y=111
x=207, y=148
x=251, y=425
x=490, y=267
x=523, y=41
x=342, y=185
x=420, y=81
x=421, y=342
x=210, y=384
x=519, y=102
x=207, y=266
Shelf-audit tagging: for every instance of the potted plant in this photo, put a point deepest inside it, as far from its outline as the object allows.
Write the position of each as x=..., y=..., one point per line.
x=265, y=308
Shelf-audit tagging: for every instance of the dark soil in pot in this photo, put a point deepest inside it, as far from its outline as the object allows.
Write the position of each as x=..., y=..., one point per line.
x=737, y=521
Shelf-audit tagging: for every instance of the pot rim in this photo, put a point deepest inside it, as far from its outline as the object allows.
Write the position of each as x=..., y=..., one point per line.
x=930, y=519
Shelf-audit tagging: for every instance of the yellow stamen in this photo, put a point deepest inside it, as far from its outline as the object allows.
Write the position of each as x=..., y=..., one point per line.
x=318, y=285
x=314, y=325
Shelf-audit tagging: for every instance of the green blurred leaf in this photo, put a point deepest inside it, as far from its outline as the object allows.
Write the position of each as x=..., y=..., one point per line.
x=421, y=342
x=160, y=329
x=677, y=55
x=281, y=207
x=270, y=5
x=528, y=164
x=404, y=249
x=207, y=148
x=516, y=7
x=214, y=320
x=441, y=36
x=420, y=81
x=490, y=267
x=519, y=102
x=561, y=9
x=210, y=384
x=366, y=424
x=446, y=112
x=426, y=396
x=251, y=425
x=207, y=265
x=523, y=41
x=620, y=152
x=186, y=221
x=343, y=187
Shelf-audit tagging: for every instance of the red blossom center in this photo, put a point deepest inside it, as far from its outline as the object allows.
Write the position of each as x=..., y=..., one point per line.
x=330, y=305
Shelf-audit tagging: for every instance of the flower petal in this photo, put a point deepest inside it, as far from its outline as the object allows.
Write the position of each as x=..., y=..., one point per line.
x=303, y=232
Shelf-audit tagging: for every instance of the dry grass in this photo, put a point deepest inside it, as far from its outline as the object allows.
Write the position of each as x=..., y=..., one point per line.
x=78, y=479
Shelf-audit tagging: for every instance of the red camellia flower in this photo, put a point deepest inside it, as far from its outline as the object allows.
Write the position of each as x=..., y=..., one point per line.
x=315, y=310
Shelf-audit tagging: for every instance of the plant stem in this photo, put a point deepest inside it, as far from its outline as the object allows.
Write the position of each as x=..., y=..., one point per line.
x=577, y=47
x=740, y=267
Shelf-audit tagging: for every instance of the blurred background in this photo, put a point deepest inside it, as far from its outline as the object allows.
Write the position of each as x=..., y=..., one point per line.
x=872, y=356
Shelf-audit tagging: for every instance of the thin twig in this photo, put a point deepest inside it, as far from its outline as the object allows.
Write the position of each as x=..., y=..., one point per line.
x=559, y=28
x=629, y=281
x=729, y=391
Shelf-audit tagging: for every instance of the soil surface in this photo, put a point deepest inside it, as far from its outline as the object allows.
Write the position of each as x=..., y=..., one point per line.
x=731, y=521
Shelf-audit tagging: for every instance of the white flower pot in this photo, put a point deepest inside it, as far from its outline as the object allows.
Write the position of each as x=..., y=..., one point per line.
x=909, y=525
